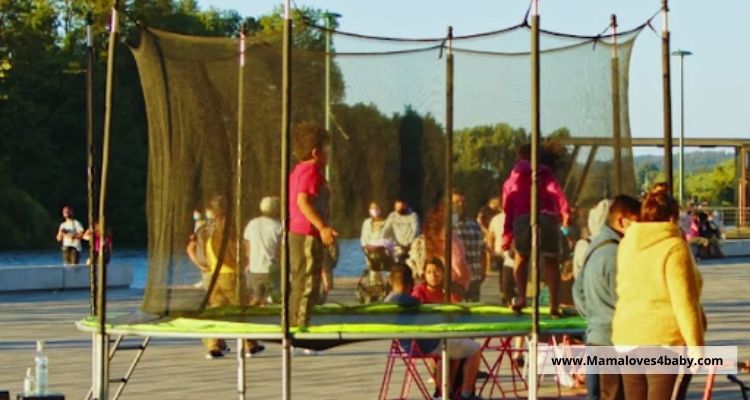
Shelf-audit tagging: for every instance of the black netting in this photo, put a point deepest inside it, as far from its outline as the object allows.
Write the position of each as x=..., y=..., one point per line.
x=387, y=120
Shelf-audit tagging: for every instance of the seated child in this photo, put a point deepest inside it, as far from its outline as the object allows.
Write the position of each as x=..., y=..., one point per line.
x=432, y=289
x=467, y=350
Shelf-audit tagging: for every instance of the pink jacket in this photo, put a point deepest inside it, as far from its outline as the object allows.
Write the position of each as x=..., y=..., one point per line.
x=517, y=194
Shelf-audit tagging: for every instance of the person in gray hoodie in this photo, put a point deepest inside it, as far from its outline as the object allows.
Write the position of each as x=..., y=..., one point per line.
x=594, y=290
x=402, y=226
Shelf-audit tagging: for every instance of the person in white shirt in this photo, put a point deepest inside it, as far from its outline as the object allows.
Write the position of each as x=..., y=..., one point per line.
x=262, y=241
x=69, y=234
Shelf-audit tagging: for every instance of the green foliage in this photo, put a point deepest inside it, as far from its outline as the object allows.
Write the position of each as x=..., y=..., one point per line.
x=716, y=186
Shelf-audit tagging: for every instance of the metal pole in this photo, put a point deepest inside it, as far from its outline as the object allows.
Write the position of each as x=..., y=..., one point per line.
x=238, y=211
x=682, y=128
x=102, y=383
x=286, y=104
x=535, y=142
x=241, y=369
x=667, y=95
x=91, y=176
x=445, y=379
x=616, y=126
x=90, y=173
x=329, y=19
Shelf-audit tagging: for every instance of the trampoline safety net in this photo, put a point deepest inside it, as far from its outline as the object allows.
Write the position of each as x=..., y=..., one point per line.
x=214, y=118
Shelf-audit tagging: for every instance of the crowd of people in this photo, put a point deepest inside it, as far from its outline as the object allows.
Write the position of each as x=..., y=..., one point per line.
x=633, y=255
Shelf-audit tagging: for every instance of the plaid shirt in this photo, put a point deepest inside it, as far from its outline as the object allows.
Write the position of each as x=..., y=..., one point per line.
x=471, y=235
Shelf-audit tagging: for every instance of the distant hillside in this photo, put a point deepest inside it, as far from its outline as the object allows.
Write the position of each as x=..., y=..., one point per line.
x=699, y=161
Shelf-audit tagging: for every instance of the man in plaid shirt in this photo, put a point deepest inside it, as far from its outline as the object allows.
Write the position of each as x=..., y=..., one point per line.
x=471, y=235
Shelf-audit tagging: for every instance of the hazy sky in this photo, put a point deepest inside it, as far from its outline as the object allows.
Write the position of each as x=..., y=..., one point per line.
x=716, y=76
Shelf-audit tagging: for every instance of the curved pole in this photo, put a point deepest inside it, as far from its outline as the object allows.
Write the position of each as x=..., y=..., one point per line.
x=534, y=259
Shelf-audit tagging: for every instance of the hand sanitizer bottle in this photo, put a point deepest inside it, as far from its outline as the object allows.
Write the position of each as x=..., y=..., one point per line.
x=29, y=383
x=41, y=368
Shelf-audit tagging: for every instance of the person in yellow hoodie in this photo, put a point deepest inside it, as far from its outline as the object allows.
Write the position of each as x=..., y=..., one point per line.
x=658, y=293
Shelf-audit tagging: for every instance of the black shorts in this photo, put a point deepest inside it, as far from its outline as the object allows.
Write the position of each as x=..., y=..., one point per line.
x=549, y=240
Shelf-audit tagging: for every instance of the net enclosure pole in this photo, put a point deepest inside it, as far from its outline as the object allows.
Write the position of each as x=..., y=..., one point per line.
x=241, y=384
x=666, y=95
x=535, y=142
x=330, y=18
x=616, y=125
x=448, y=207
x=101, y=389
x=90, y=173
x=681, y=174
x=286, y=98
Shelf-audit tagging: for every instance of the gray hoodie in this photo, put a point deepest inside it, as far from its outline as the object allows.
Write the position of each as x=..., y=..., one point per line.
x=594, y=289
x=402, y=229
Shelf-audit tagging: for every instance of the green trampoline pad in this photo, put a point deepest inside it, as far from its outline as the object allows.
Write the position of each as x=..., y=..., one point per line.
x=338, y=322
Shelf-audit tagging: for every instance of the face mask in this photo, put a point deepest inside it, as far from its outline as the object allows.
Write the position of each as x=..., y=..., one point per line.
x=374, y=212
x=196, y=216
x=209, y=214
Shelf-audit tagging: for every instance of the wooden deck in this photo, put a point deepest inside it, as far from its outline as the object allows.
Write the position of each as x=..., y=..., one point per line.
x=176, y=369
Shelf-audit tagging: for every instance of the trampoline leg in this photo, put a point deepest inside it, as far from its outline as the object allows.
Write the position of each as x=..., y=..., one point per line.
x=241, y=368
x=101, y=383
x=286, y=369
x=444, y=373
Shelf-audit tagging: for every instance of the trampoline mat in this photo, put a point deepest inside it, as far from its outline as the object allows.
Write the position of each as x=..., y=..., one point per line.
x=338, y=324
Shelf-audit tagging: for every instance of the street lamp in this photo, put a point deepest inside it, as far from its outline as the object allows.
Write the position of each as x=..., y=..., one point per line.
x=682, y=53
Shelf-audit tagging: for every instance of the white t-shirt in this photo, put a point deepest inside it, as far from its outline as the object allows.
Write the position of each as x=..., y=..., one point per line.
x=71, y=226
x=496, y=228
x=264, y=236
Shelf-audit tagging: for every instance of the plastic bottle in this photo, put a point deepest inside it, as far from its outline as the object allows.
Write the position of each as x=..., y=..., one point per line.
x=41, y=368
x=29, y=382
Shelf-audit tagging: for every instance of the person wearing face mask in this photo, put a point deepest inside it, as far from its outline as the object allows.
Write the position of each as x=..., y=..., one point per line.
x=402, y=226
x=203, y=229
x=378, y=252
x=594, y=290
x=471, y=235
x=373, y=228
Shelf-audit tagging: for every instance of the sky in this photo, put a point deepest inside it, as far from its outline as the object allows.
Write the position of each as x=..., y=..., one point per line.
x=716, y=75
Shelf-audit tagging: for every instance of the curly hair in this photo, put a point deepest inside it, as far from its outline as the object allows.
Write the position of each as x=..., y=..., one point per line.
x=433, y=230
x=306, y=137
x=659, y=205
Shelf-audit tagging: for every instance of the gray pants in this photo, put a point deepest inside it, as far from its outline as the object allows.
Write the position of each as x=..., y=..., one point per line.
x=306, y=263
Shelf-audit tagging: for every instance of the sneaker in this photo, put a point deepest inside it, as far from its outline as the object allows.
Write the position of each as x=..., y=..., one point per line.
x=469, y=397
x=214, y=354
x=259, y=348
x=298, y=351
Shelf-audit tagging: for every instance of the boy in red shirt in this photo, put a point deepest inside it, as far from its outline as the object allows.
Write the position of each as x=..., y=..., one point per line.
x=308, y=225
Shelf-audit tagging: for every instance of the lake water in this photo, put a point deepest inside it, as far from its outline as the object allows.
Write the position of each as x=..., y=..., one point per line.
x=351, y=260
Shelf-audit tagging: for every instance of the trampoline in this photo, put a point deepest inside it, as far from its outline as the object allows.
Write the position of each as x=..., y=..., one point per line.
x=333, y=322
x=215, y=106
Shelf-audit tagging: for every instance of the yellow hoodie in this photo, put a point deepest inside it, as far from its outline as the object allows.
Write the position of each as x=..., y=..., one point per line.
x=658, y=289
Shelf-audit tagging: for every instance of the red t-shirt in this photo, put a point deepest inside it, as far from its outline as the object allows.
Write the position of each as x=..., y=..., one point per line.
x=430, y=296
x=306, y=177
